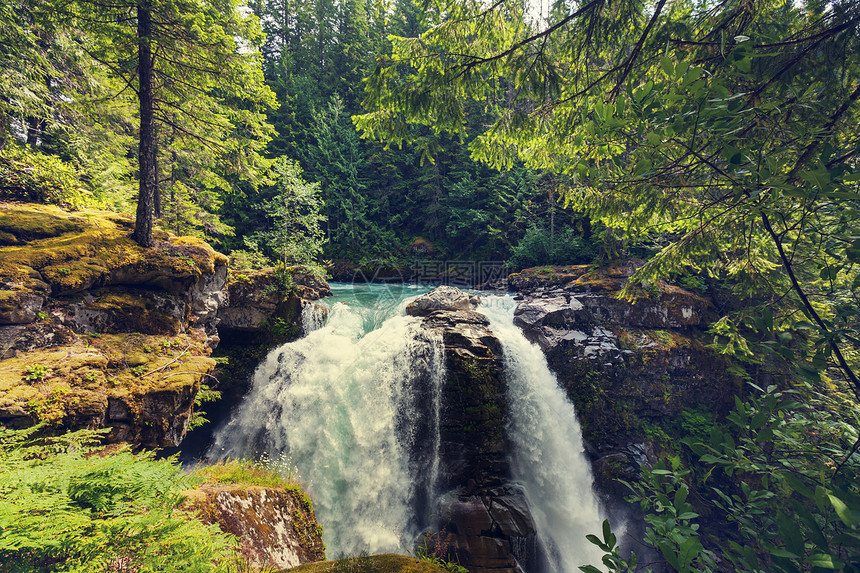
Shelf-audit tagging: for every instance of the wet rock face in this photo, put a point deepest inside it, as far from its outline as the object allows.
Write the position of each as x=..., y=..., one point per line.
x=493, y=531
x=276, y=527
x=625, y=366
x=482, y=516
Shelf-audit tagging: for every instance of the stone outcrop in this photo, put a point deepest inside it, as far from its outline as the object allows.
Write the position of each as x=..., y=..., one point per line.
x=630, y=368
x=275, y=526
x=482, y=515
x=98, y=332
x=254, y=299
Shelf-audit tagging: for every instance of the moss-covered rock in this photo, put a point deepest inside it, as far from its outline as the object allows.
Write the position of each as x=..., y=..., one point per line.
x=257, y=299
x=275, y=525
x=141, y=386
x=72, y=252
x=387, y=563
x=119, y=309
x=19, y=306
x=96, y=331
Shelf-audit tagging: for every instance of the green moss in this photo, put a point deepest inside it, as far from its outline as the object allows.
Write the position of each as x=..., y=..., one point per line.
x=74, y=251
x=38, y=222
x=388, y=563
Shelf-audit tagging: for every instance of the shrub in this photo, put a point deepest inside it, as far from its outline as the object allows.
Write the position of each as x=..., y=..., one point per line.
x=540, y=247
x=34, y=176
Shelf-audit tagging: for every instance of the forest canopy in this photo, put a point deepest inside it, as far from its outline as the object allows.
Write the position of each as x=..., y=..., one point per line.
x=726, y=132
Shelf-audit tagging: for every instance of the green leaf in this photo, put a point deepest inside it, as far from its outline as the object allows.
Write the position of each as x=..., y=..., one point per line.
x=668, y=65
x=824, y=561
x=642, y=166
x=841, y=510
x=779, y=552
x=815, y=533
x=596, y=541
x=688, y=551
x=790, y=533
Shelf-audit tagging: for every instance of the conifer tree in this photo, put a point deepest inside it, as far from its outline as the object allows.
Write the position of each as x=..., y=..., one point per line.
x=193, y=66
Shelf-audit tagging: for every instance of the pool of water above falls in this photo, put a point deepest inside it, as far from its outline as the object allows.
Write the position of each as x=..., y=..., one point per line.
x=340, y=403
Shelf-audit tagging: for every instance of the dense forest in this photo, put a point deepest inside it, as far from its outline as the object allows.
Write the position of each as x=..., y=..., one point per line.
x=718, y=142
x=237, y=96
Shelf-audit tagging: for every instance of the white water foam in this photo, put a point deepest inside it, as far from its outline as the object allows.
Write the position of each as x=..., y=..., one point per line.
x=548, y=456
x=339, y=403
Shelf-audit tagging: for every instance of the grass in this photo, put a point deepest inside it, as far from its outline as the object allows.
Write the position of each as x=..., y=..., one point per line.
x=387, y=563
x=261, y=473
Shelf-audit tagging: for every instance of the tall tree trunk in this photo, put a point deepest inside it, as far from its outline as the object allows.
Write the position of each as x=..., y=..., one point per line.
x=35, y=128
x=146, y=148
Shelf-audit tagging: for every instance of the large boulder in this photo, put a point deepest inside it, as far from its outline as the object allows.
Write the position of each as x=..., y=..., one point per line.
x=441, y=298
x=275, y=526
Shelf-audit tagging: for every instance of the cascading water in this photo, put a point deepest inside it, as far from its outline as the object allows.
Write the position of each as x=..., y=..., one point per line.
x=548, y=458
x=338, y=402
x=355, y=405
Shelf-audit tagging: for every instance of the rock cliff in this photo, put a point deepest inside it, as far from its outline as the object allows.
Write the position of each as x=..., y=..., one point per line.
x=637, y=372
x=482, y=516
x=97, y=332
x=623, y=363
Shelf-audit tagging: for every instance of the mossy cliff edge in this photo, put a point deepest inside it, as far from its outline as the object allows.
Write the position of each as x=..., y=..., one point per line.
x=98, y=332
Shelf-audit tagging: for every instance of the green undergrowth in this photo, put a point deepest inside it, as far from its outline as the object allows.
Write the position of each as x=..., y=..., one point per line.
x=67, y=506
x=262, y=472
x=388, y=563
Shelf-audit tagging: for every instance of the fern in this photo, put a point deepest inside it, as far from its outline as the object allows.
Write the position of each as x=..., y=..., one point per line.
x=65, y=507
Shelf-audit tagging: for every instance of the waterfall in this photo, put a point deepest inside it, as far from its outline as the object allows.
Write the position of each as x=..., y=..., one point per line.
x=356, y=406
x=340, y=403
x=548, y=457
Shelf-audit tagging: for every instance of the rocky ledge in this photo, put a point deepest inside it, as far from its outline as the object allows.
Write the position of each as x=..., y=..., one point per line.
x=98, y=332
x=637, y=371
x=255, y=300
